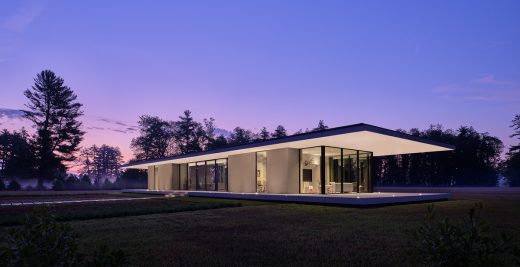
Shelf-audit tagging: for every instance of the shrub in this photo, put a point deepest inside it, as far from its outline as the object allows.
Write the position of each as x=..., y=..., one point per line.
x=14, y=185
x=107, y=185
x=59, y=184
x=42, y=241
x=440, y=242
x=2, y=185
x=85, y=183
x=71, y=183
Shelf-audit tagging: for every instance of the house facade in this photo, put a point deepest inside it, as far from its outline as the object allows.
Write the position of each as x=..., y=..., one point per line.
x=332, y=161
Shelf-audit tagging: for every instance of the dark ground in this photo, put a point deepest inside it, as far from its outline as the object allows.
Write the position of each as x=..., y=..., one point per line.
x=259, y=233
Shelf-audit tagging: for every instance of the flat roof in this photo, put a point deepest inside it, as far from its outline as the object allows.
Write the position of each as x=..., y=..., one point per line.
x=361, y=136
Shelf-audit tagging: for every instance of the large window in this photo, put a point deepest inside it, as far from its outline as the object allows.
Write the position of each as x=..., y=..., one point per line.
x=310, y=176
x=193, y=183
x=330, y=170
x=261, y=172
x=208, y=175
x=201, y=175
x=364, y=172
x=350, y=174
x=221, y=172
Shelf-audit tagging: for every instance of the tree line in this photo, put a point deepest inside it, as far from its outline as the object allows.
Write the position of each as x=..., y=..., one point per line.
x=55, y=114
x=476, y=160
x=159, y=138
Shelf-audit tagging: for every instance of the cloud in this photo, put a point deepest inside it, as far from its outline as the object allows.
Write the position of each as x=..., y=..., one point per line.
x=448, y=88
x=478, y=89
x=114, y=125
x=8, y=113
x=490, y=79
x=19, y=21
x=479, y=98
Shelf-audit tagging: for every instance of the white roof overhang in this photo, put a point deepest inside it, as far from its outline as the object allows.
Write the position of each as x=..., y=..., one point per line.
x=380, y=141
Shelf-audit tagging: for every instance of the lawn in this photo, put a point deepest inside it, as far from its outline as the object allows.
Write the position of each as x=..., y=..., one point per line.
x=128, y=205
x=282, y=234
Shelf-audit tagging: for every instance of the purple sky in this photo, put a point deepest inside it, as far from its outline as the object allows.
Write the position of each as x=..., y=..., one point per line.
x=395, y=64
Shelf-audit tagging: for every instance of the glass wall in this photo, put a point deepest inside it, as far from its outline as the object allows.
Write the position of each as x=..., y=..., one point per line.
x=364, y=172
x=350, y=174
x=193, y=183
x=201, y=175
x=344, y=170
x=208, y=175
x=221, y=171
x=332, y=170
x=183, y=176
x=310, y=180
x=261, y=172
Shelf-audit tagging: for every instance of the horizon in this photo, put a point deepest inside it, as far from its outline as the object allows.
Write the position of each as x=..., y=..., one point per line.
x=255, y=64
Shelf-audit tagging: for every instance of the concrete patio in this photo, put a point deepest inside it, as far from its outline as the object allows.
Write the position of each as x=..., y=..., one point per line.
x=351, y=199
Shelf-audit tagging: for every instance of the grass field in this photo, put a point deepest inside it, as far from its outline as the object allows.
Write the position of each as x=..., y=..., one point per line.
x=260, y=234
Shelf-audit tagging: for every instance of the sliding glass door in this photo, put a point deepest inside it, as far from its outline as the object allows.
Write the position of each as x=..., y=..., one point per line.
x=332, y=170
x=261, y=172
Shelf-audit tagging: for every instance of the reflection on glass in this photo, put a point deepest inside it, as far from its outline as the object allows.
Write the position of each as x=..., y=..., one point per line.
x=183, y=169
x=192, y=176
x=221, y=175
x=261, y=172
x=310, y=180
x=210, y=176
x=350, y=172
x=201, y=176
x=332, y=170
x=346, y=170
x=364, y=172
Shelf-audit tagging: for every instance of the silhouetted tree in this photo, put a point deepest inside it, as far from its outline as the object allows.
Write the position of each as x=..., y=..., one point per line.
x=321, y=126
x=102, y=163
x=85, y=183
x=475, y=161
x=16, y=155
x=54, y=112
x=210, y=141
x=209, y=133
x=14, y=185
x=154, y=140
x=132, y=178
x=512, y=162
x=189, y=134
x=279, y=132
x=59, y=183
x=516, y=133
x=240, y=136
x=298, y=132
x=72, y=182
x=264, y=134
x=218, y=142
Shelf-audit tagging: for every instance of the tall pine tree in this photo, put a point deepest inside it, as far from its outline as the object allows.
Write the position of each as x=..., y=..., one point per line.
x=54, y=112
x=321, y=126
x=279, y=132
x=264, y=134
x=189, y=134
